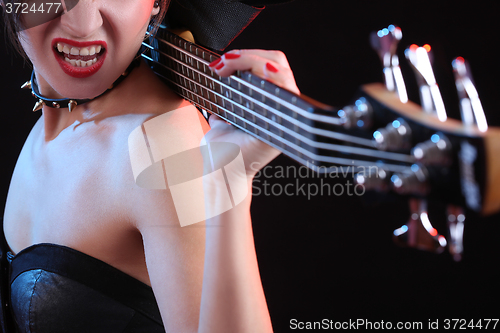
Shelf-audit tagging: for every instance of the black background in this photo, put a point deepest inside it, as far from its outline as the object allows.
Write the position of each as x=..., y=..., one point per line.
x=333, y=257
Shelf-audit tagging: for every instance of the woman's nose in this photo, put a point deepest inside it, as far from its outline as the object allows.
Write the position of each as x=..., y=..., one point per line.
x=83, y=20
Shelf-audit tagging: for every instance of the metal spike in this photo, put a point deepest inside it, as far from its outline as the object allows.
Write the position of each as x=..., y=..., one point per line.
x=39, y=105
x=26, y=85
x=72, y=105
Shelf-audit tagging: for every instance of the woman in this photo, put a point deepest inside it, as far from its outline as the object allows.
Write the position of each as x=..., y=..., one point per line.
x=73, y=190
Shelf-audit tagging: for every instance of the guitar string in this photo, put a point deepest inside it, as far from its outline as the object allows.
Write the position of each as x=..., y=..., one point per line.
x=190, y=58
x=335, y=160
x=326, y=133
x=321, y=118
x=327, y=146
x=276, y=112
x=361, y=164
x=394, y=168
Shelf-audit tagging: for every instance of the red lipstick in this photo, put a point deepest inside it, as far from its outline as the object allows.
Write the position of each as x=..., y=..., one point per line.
x=74, y=71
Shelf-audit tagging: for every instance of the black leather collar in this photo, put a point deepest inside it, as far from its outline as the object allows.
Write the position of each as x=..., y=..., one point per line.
x=70, y=103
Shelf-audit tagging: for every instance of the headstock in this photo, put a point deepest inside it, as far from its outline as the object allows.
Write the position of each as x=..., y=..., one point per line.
x=453, y=162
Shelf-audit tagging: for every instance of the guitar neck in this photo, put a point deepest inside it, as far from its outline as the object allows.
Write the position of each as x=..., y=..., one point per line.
x=280, y=118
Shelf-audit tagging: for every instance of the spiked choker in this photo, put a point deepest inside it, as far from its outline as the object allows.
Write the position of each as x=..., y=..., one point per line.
x=69, y=103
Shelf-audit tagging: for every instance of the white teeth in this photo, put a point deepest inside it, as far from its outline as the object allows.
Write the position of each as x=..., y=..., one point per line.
x=80, y=63
x=84, y=52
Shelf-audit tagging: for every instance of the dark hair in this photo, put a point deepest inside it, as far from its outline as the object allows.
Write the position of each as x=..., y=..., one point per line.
x=13, y=24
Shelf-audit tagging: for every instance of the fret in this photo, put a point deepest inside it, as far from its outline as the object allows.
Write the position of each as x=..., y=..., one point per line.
x=239, y=116
x=270, y=114
x=253, y=114
x=283, y=96
x=288, y=147
x=250, y=105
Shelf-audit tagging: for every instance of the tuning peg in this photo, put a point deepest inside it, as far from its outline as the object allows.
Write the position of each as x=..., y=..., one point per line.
x=395, y=136
x=456, y=219
x=470, y=104
x=418, y=232
x=357, y=115
x=385, y=43
x=377, y=181
x=414, y=181
x=430, y=96
x=436, y=151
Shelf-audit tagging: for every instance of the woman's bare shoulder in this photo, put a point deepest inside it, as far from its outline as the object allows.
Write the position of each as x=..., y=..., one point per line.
x=148, y=142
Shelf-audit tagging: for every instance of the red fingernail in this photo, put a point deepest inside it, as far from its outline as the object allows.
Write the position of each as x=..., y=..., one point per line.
x=271, y=68
x=220, y=66
x=215, y=62
x=230, y=56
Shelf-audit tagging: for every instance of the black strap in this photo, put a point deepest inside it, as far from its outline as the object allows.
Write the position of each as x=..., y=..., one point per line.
x=91, y=272
x=213, y=23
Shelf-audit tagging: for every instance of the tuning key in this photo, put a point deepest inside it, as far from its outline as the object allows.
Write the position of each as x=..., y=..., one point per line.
x=357, y=115
x=377, y=181
x=415, y=181
x=456, y=219
x=470, y=105
x=395, y=136
x=418, y=232
x=436, y=151
x=430, y=96
x=385, y=42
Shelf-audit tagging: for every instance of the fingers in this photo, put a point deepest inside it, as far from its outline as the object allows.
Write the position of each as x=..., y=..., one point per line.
x=216, y=121
x=270, y=65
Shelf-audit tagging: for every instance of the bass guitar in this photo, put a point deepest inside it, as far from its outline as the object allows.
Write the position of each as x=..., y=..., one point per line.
x=394, y=145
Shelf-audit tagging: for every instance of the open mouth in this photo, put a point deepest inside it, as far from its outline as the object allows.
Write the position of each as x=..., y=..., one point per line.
x=79, y=59
x=79, y=56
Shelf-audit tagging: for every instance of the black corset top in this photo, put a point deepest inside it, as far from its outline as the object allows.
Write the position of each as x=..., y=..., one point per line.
x=55, y=289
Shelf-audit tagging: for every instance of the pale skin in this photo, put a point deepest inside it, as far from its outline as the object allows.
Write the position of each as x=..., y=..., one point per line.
x=73, y=183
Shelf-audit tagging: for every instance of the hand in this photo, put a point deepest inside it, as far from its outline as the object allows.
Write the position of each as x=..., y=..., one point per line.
x=270, y=65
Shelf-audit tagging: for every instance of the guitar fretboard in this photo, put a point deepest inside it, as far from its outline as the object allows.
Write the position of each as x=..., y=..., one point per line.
x=300, y=127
